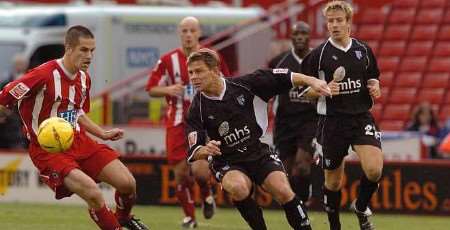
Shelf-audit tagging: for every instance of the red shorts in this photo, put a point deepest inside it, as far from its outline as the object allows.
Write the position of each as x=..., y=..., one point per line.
x=176, y=146
x=85, y=154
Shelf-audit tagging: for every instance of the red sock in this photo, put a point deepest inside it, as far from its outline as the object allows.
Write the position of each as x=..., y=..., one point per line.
x=104, y=218
x=124, y=203
x=186, y=200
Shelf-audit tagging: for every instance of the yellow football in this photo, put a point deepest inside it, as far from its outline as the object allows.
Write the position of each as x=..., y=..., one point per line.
x=55, y=135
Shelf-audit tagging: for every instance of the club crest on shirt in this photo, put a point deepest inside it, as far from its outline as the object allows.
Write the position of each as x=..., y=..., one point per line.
x=192, y=138
x=241, y=100
x=224, y=128
x=19, y=90
x=358, y=54
x=280, y=71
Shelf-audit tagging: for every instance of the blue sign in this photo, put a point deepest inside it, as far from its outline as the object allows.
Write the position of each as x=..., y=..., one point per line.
x=140, y=57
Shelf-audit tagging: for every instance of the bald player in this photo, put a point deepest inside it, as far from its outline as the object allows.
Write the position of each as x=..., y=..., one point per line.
x=296, y=117
x=170, y=79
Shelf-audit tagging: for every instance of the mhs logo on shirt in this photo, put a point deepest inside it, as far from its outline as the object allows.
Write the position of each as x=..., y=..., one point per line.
x=235, y=136
x=349, y=86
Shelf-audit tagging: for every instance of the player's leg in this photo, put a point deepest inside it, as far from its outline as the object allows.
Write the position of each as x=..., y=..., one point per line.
x=302, y=174
x=184, y=191
x=86, y=188
x=202, y=175
x=332, y=195
x=239, y=187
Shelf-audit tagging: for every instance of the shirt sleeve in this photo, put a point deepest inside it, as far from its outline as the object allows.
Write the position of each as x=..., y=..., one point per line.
x=19, y=88
x=194, y=131
x=266, y=83
x=372, y=70
x=158, y=76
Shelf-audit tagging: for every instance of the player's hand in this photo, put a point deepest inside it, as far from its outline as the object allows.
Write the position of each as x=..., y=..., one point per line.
x=321, y=87
x=175, y=90
x=374, y=88
x=334, y=87
x=113, y=134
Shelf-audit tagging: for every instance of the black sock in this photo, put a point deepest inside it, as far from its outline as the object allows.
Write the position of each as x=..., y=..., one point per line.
x=251, y=213
x=332, y=200
x=296, y=214
x=366, y=189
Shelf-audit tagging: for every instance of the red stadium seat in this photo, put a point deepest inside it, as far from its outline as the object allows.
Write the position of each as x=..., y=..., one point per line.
x=392, y=125
x=402, y=95
x=392, y=48
x=444, y=113
x=376, y=111
x=397, y=112
x=387, y=79
x=373, y=44
x=405, y=3
x=397, y=32
x=444, y=33
x=388, y=63
x=413, y=64
x=439, y=65
x=442, y=49
x=424, y=32
x=370, y=32
x=436, y=80
x=384, y=95
x=446, y=18
x=420, y=48
x=372, y=16
x=408, y=79
x=447, y=98
x=429, y=16
x=433, y=3
x=433, y=96
x=400, y=16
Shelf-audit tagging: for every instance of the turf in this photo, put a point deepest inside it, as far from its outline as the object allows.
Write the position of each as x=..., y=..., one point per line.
x=15, y=216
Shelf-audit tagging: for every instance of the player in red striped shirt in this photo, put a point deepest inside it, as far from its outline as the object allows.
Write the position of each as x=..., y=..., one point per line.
x=60, y=88
x=170, y=79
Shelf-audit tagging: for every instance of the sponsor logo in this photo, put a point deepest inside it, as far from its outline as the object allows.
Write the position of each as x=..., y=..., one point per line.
x=70, y=116
x=192, y=138
x=19, y=90
x=237, y=136
x=349, y=86
x=280, y=71
x=224, y=128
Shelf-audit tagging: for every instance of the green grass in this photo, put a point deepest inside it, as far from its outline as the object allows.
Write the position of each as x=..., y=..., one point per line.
x=15, y=216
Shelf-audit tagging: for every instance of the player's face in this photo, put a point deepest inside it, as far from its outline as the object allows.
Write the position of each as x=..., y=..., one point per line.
x=81, y=55
x=300, y=39
x=189, y=33
x=337, y=24
x=201, y=76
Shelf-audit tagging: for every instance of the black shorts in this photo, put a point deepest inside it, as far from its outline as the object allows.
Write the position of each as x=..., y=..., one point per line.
x=256, y=170
x=336, y=134
x=287, y=143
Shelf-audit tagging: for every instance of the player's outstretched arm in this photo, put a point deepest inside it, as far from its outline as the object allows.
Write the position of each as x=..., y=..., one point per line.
x=210, y=149
x=96, y=130
x=162, y=91
x=319, y=86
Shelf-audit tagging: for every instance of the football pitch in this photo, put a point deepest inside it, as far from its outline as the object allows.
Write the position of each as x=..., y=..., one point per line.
x=56, y=217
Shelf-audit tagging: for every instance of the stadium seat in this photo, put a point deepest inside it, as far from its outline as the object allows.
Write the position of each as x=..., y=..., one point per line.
x=397, y=32
x=397, y=112
x=431, y=95
x=372, y=32
x=402, y=95
x=392, y=48
x=373, y=44
x=384, y=95
x=400, y=16
x=436, y=80
x=446, y=18
x=388, y=63
x=444, y=33
x=442, y=49
x=439, y=65
x=408, y=79
x=429, y=16
x=392, y=125
x=444, y=113
x=433, y=4
x=405, y=3
x=424, y=32
x=376, y=111
x=387, y=79
x=372, y=16
x=413, y=64
x=419, y=48
x=447, y=98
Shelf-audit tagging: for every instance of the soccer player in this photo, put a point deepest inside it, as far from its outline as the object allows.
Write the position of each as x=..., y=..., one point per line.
x=296, y=118
x=60, y=88
x=350, y=68
x=170, y=79
x=225, y=122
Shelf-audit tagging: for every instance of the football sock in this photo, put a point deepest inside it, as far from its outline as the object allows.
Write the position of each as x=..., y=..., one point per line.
x=104, y=218
x=184, y=195
x=205, y=189
x=124, y=203
x=366, y=189
x=296, y=214
x=301, y=186
x=251, y=213
x=332, y=200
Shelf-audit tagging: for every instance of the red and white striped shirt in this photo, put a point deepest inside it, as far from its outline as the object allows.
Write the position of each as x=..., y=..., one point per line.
x=48, y=91
x=172, y=69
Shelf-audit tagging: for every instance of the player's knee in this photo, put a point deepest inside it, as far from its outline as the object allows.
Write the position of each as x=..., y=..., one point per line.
x=238, y=191
x=333, y=185
x=93, y=196
x=283, y=193
x=127, y=185
x=373, y=173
